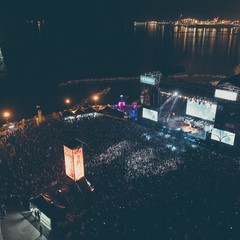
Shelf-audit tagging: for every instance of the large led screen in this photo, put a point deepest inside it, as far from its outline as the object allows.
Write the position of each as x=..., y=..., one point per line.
x=223, y=136
x=150, y=114
x=78, y=163
x=228, y=95
x=206, y=111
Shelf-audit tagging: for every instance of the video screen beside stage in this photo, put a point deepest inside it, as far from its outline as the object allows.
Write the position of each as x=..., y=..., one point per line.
x=150, y=114
x=228, y=95
x=223, y=136
x=203, y=110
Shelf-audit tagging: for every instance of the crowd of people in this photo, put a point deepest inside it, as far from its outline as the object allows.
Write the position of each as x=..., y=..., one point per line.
x=149, y=183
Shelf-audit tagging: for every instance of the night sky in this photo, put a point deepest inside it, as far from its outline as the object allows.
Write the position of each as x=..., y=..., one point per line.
x=116, y=11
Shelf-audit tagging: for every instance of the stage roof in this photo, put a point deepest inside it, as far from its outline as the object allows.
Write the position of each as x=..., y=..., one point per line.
x=233, y=80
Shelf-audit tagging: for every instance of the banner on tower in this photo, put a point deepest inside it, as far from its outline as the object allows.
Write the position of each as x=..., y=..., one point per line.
x=78, y=163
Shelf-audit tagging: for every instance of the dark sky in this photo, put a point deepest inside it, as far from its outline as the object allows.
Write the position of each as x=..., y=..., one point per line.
x=117, y=10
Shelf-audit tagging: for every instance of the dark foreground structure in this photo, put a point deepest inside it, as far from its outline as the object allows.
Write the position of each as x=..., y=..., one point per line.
x=71, y=193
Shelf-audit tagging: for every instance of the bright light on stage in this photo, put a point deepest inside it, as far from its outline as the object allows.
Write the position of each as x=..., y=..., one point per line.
x=175, y=93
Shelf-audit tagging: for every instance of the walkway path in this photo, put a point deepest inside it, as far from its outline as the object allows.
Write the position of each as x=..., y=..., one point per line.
x=17, y=227
x=1, y=238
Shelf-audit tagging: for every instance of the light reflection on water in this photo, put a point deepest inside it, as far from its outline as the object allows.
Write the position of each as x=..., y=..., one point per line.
x=205, y=41
x=202, y=41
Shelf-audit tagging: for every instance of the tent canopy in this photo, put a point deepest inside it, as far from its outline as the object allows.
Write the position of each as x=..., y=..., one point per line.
x=67, y=113
x=89, y=110
x=111, y=111
x=79, y=111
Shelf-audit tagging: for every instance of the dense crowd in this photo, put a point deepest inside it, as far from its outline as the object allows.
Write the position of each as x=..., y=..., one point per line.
x=149, y=183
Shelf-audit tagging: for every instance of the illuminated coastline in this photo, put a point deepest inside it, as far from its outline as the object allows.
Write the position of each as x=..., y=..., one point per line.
x=193, y=22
